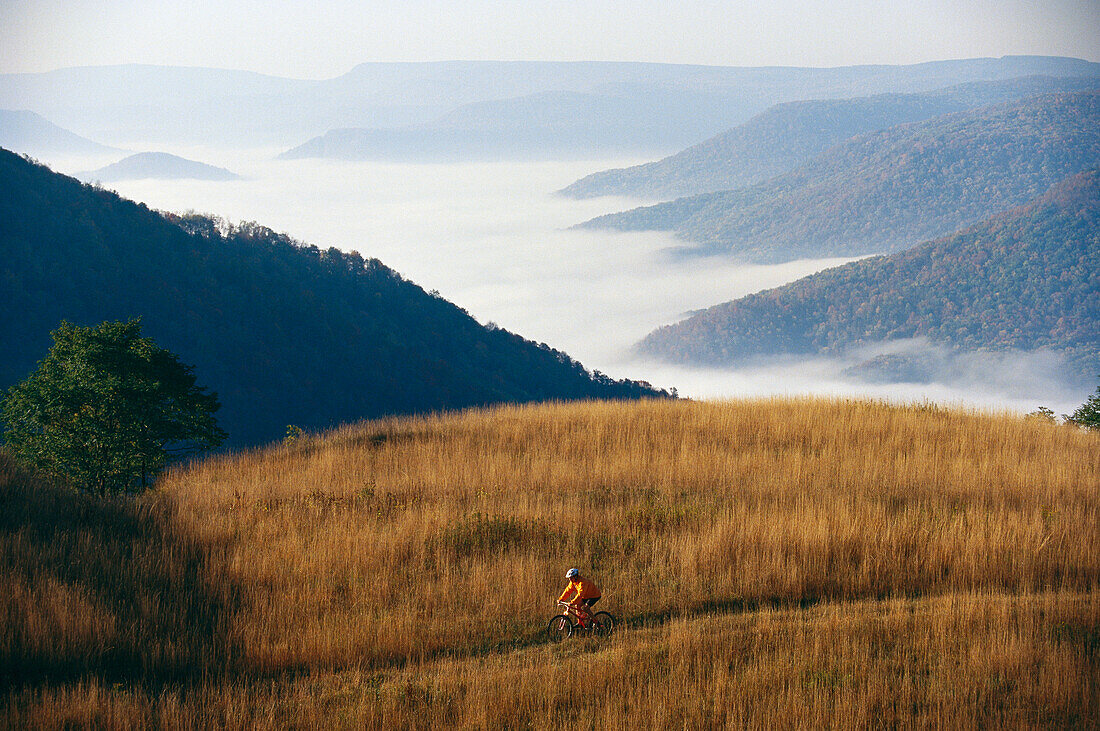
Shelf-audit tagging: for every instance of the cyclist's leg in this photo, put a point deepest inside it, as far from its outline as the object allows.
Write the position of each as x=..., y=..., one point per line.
x=587, y=608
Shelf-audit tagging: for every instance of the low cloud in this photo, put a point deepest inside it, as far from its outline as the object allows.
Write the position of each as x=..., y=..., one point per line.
x=494, y=239
x=899, y=371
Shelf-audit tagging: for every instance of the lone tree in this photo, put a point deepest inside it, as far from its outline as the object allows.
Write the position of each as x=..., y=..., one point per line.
x=1088, y=413
x=107, y=409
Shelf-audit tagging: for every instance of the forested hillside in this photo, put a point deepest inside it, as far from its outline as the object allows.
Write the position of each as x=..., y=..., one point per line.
x=890, y=190
x=1026, y=280
x=284, y=333
x=790, y=134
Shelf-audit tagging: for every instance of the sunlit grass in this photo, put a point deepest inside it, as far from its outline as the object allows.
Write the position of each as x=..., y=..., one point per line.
x=804, y=561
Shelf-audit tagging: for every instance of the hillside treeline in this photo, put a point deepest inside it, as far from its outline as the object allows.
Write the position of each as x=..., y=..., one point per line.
x=285, y=333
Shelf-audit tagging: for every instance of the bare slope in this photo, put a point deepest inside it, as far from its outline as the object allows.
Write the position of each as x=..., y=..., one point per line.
x=890, y=190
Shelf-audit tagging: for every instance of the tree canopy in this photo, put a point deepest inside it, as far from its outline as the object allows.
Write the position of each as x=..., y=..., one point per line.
x=107, y=409
x=1088, y=413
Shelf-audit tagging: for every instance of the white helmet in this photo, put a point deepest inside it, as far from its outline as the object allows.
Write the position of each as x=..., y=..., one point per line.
x=572, y=574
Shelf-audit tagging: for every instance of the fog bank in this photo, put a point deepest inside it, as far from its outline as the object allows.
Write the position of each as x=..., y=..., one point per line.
x=493, y=238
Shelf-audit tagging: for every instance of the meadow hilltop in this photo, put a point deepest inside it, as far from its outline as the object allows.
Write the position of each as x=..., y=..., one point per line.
x=791, y=563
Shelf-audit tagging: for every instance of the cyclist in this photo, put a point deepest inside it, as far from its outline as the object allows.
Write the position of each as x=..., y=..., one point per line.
x=587, y=594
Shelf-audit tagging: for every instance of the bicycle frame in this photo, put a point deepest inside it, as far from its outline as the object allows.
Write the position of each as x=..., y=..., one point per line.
x=579, y=619
x=570, y=611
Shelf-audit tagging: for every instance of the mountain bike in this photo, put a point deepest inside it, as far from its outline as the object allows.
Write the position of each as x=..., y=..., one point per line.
x=570, y=622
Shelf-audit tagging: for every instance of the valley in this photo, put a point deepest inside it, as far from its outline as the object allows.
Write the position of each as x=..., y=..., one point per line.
x=795, y=360
x=496, y=240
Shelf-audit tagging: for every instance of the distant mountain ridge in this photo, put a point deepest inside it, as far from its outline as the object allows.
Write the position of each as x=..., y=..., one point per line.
x=889, y=190
x=285, y=333
x=792, y=133
x=550, y=124
x=125, y=105
x=31, y=134
x=160, y=166
x=635, y=109
x=1028, y=280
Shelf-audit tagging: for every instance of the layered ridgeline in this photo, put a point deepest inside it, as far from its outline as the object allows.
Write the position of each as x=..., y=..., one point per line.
x=32, y=134
x=403, y=110
x=580, y=110
x=159, y=166
x=1027, y=280
x=284, y=333
x=790, y=134
x=628, y=119
x=889, y=190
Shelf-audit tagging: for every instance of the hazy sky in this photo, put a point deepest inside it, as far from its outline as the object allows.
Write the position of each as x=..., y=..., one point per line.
x=324, y=38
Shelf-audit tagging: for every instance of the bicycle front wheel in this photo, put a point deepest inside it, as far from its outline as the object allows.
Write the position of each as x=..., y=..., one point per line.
x=560, y=628
x=603, y=624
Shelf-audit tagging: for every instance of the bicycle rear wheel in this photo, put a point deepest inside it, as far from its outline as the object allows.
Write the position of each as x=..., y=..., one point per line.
x=603, y=624
x=560, y=628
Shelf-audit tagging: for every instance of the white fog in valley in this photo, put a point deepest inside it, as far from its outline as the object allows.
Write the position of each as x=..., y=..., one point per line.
x=494, y=239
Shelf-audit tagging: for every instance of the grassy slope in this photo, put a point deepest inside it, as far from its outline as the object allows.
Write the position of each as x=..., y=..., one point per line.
x=805, y=561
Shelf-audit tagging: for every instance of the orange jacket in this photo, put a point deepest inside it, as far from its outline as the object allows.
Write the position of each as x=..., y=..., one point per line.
x=585, y=590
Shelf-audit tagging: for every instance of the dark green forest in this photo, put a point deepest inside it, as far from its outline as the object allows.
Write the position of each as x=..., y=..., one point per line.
x=283, y=332
x=788, y=135
x=1028, y=279
x=887, y=191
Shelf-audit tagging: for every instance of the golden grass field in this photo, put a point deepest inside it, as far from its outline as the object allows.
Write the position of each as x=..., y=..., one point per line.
x=773, y=563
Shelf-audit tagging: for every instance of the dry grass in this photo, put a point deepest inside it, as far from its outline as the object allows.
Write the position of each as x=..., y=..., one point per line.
x=957, y=661
x=777, y=560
